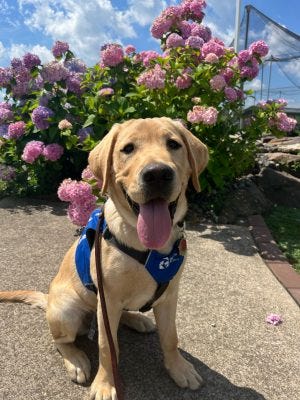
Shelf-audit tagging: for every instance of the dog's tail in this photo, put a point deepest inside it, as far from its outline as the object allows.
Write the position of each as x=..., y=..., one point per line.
x=36, y=299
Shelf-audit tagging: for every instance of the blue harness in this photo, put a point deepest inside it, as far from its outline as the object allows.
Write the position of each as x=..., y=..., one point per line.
x=162, y=267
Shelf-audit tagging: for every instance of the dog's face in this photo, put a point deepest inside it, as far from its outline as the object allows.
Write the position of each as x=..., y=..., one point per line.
x=145, y=166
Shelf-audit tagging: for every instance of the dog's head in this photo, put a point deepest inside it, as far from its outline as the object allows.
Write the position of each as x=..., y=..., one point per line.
x=145, y=166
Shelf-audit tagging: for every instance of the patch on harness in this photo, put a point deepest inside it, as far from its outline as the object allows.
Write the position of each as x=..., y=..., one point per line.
x=163, y=267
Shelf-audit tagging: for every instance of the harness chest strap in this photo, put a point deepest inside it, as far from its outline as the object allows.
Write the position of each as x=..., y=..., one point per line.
x=161, y=267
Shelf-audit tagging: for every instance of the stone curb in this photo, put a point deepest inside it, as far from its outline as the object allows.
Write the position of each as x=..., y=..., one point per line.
x=273, y=257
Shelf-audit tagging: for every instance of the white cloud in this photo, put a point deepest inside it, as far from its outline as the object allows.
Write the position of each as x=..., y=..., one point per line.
x=87, y=25
x=254, y=85
x=2, y=50
x=219, y=32
x=292, y=68
x=220, y=17
x=144, y=12
x=18, y=50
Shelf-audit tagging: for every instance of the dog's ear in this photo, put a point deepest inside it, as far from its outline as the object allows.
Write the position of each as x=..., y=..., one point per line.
x=101, y=157
x=197, y=154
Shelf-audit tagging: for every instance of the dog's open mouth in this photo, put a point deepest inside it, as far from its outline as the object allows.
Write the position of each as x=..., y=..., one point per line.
x=154, y=220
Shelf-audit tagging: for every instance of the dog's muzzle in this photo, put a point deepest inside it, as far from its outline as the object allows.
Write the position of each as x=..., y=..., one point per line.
x=157, y=181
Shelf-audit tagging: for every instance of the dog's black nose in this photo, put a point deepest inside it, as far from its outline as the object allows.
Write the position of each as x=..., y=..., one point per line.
x=157, y=174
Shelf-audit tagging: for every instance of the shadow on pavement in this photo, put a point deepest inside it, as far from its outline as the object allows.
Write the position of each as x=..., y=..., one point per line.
x=29, y=206
x=234, y=238
x=145, y=378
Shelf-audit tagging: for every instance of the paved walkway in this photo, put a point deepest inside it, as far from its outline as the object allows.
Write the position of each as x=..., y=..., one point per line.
x=226, y=293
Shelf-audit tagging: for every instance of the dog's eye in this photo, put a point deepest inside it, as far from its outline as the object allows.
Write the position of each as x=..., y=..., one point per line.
x=173, y=144
x=128, y=148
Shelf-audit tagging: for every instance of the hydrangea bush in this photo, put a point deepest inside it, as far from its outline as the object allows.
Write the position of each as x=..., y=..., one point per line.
x=54, y=114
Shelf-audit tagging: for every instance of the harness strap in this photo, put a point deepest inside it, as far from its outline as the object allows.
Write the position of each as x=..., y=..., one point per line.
x=161, y=288
x=141, y=257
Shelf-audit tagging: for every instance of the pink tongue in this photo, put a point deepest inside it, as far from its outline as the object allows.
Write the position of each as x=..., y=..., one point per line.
x=154, y=224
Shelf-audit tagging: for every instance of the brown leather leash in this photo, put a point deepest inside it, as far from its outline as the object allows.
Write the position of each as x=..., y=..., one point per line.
x=113, y=356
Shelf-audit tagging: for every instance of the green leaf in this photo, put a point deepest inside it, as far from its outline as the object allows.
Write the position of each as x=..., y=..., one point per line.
x=89, y=121
x=129, y=110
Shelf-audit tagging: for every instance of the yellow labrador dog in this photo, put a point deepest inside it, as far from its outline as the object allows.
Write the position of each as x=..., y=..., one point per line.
x=145, y=166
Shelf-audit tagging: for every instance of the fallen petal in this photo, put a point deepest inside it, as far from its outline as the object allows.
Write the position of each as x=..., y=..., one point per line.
x=274, y=319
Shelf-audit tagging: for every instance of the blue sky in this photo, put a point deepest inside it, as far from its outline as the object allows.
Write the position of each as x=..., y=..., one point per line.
x=34, y=25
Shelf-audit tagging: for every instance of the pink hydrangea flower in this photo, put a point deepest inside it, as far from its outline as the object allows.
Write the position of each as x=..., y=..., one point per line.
x=75, y=65
x=183, y=82
x=87, y=174
x=217, y=83
x=244, y=56
x=31, y=60
x=16, y=130
x=64, y=124
x=4, y=104
x=260, y=48
x=7, y=173
x=210, y=116
x=147, y=56
x=5, y=76
x=200, y=30
x=284, y=123
x=53, y=152
x=153, y=78
x=32, y=151
x=196, y=8
x=59, y=48
x=79, y=213
x=211, y=58
x=213, y=46
x=106, y=92
x=249, y=72
x=193, y=9
x=83, y=202
x=66, y=190
x=206, y=115
x=160, y=26
x=130, y=49
x=230, y=94
x=174, y=40
x=111, y=55
x=195, y=42
x=54, y=71
x=73, y=83
x=282, y=103
x=274, y=319
x=185, y=29
x=6, y=115
x=74, y=191
x=228, y=74
x=40, y=117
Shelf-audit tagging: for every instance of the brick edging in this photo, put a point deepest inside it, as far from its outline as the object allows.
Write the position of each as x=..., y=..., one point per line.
x=273, y=257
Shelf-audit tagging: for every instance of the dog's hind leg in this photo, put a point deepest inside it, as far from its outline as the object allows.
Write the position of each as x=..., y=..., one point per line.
x=65, y=316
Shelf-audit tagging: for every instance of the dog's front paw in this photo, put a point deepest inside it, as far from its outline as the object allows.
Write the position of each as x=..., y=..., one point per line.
x=78, y=366
x=102, y=390
x=183, y=373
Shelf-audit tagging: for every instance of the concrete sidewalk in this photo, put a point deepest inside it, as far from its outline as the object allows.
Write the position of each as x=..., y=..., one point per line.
x=226, y=293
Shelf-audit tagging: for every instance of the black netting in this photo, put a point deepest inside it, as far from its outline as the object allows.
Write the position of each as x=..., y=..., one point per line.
x=281, y=70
